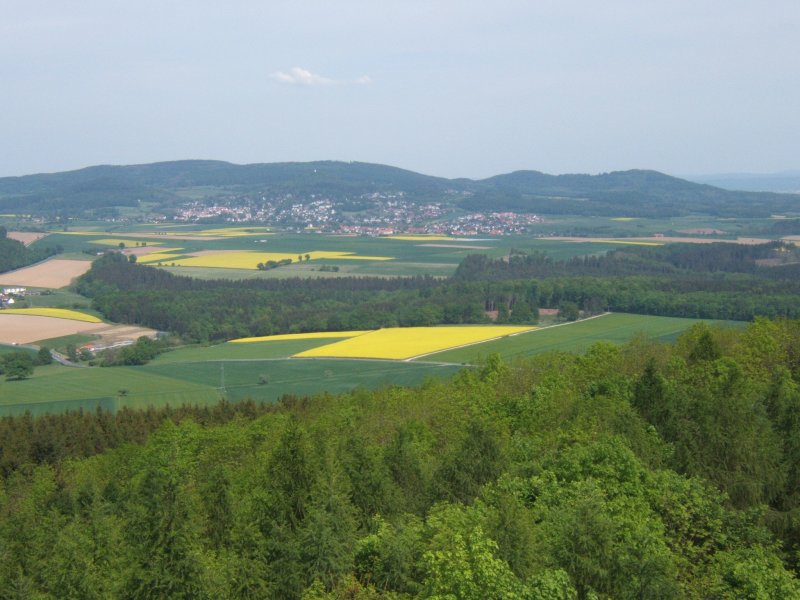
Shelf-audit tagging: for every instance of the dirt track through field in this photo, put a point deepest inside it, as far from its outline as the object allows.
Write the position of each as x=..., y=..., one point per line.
x=54, y=273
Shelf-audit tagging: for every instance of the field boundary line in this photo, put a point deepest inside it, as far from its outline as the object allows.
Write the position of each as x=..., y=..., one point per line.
x=337, y=358
x=534, y=330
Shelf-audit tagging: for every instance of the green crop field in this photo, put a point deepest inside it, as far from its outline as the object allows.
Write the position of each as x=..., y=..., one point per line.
x=56, y=388
x=6, y=348
x=262, y=371
x=409, y=257
x=299, y=377
x=60, y=343
x=241, y=351
x=616, y=328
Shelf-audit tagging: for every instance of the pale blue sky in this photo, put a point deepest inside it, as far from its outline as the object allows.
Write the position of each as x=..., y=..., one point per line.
x=451, y=88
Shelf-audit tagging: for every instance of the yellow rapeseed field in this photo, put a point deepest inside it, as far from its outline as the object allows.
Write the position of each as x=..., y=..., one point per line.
x=58, y=313
x=625, y=219
x=409, y=342
x=250, y=260
x=319, y=335
x=157, y=257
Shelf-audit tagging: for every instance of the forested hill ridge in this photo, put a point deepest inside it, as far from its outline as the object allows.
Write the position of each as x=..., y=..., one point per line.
x=634, y=193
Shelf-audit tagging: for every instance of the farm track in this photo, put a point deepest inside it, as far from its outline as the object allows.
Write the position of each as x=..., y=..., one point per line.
x=546, y=327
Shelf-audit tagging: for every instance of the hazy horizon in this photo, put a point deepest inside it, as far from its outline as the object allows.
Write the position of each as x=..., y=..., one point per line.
x=452, y=89
x=699, y=177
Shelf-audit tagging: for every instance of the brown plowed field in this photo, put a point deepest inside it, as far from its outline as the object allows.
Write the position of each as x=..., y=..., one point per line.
x=26, y=237
x=53, y=273
x=25, y=329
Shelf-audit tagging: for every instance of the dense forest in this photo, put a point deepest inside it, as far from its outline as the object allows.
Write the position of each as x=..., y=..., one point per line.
x=14, y=254
x=714, y=281
x=647, y=471
x=634, y=193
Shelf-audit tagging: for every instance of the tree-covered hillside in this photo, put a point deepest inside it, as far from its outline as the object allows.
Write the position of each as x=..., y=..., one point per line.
x=647, y=471
x=624, y=193
x=14, y=254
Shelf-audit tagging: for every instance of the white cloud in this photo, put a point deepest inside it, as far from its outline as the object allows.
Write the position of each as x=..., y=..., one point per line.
x=300, y=76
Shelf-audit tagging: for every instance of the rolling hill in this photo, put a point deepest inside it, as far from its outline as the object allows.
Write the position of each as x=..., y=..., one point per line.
x=641, y=193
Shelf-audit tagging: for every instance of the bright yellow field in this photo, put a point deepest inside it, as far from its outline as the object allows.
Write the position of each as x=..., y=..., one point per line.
x=58, y=313
x=130, y=243
x=625, y=219
x=250, y=260
x=319, y=335
x=409, y=342
x=158, y=257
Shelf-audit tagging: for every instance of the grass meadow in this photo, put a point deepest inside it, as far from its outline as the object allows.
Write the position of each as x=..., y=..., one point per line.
x=616, y=328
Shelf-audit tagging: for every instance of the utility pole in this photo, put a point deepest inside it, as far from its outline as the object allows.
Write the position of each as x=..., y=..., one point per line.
x=222, y=376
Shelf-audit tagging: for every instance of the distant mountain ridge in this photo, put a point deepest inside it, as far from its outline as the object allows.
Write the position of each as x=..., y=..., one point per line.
x=632, y=193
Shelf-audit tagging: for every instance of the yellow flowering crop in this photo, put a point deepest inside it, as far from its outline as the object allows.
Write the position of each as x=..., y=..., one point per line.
x=58, y=313
x=319, y=335
x=409, y=342
x=157, y=257
x=250, y=260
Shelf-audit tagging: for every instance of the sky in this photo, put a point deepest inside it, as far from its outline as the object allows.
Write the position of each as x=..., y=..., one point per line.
x=455, y=88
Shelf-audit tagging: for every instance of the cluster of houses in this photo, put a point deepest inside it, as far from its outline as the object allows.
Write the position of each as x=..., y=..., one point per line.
x=9, y=296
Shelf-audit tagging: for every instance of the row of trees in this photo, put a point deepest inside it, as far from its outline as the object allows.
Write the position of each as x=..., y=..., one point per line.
x=648, y=471
x=20, y=364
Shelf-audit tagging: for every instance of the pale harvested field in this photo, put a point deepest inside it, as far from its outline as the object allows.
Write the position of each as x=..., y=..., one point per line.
x=25, y=329
x=111, y=334
x=26, y=237
x=53, y=273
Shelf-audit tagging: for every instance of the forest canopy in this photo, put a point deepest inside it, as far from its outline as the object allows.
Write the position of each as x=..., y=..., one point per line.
x=646, y=471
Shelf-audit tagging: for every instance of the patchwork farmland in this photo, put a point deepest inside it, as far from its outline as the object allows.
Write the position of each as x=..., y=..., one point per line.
x=267, y=368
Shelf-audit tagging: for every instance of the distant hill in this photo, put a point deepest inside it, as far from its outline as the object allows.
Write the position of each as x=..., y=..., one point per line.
x=622, y=193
